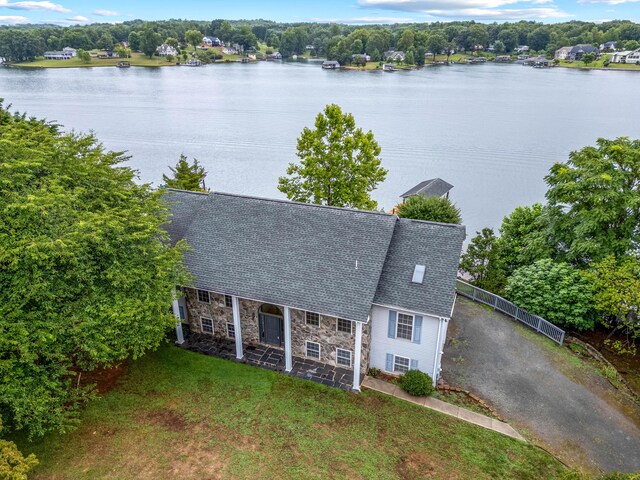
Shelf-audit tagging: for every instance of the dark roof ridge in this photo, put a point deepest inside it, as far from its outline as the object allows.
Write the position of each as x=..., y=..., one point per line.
x=186, y=191
x=304, y=204
x=430, y=222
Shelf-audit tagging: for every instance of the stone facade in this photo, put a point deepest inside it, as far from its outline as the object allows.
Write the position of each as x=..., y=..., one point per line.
x=326, y=334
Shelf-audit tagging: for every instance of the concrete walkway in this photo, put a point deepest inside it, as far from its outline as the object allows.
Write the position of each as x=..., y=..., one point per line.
x=442, y=407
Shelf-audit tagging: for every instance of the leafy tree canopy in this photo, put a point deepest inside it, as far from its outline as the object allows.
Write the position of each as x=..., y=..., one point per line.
x=433, y=209
x=557, y=292
x=186, y=176
x=481, y=261
x=340, y=164
x=86, y=270
x=595, y=200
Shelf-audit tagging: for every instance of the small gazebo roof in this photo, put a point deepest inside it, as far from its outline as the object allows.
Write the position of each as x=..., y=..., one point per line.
x=434, y=187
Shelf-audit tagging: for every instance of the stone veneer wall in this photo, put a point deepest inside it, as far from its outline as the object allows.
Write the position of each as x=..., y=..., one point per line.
x=326, y=334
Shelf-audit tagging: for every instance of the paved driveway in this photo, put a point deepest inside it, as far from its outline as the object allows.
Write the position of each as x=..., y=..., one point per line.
x=542, y=389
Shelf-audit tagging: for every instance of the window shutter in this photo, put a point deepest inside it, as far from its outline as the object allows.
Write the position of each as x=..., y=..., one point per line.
x=417, y=329
x=392, y=324
x=389, y=366
x=414, y=364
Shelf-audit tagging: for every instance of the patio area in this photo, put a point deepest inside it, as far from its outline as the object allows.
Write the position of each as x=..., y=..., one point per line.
x=271, y=358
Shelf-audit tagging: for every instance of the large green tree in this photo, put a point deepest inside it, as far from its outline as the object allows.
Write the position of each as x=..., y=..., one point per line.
x=595, y=201
x=186, y=176
x=149, y=41
x=194, y=37
x=339, y=163
x=433, y=209
x=617, y=298
x=557, y=292
x=86, y=270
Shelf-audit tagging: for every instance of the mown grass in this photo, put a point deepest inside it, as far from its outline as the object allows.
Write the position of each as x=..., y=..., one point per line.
x=136, y=60
x=177, y=414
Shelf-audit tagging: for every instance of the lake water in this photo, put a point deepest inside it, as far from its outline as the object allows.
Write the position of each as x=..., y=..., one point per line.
x=491, y=130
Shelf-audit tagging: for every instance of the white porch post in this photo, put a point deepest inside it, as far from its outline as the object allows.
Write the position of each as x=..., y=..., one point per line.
x=288, y=365
x=176, y=313
x=357, y=357
x=235, y=306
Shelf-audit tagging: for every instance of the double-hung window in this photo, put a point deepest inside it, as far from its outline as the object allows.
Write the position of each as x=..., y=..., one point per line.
x=206, y=325
x=404, y=328
x=228, y=301
x=401, y=364
x=312, y=319
x=343, y=357
x=231, y=330
x=203, y=296
x=313, y=349
x=345, y=325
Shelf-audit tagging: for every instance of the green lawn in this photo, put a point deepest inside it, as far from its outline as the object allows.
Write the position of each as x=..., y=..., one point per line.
x=178, y=414
x=137, y=60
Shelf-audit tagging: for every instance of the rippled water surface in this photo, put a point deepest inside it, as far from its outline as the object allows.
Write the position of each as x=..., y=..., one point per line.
x=492, y=131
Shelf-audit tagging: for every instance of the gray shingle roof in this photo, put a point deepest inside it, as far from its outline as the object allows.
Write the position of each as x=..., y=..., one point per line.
x=437, y=246
x=433, y=187
x=304, y=256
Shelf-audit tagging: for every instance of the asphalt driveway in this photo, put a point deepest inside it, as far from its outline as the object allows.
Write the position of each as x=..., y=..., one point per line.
x=543, y=390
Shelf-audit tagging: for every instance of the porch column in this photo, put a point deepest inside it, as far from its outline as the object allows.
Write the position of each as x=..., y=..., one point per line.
x=235, y=306
x=288, y=360
x=357, y=357
x=176, y=313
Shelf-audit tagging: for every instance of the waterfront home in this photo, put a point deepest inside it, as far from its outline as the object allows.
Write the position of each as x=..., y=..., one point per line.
x=71, y=51
x=504, y=58
x=212, y=42
x=434, y=187
x=523, y=56
x=274, y=56
x=360, y=58
x=608, y=46
x=312, y=287
x=330, y=65
x=575, y=53
x=620, y=57
x=230, y=50
x=394, y=56
x=522, y=49
x=57, y=55
x=633, y=57
x=164, y=50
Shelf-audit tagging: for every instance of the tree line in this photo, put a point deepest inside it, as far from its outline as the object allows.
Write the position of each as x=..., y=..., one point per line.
x=334, y=41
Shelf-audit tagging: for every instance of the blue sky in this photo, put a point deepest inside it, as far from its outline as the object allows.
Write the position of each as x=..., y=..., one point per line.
x=71, y=12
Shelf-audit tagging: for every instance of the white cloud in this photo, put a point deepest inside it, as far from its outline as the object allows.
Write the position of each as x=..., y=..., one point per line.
x=34, y=5
x=473, y=9
x=13, y=20
x=106, y=13
x=77, y=20
x=609, y=2
x=363, y=20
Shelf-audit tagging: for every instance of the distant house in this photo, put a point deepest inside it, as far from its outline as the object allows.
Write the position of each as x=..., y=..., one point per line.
x=633, y=57
x=57, y=55
x=620, y=57
x=576, y=52
x=164, y=50
x=71, y=51
x=608, y=47
x=212, y=42
x=523, y=56
x=522, y=49
x=362, y=58
x=394, y=55
x=274, y=56
x=309, y=47
x=491, y=48
x=330, y=65
x=435, y=187
x=503, y=58
x=229, y=51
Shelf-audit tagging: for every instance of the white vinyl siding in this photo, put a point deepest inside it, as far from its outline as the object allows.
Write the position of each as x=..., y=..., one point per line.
x=382, y=345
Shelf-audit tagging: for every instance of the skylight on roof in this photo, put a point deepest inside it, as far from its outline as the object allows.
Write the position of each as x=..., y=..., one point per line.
x=418, y=274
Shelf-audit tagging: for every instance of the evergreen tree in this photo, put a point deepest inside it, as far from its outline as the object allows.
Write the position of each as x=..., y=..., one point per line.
x=186, y=176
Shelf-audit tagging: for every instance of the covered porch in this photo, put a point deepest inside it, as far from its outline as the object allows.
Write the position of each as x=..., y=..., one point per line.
x=271, y=358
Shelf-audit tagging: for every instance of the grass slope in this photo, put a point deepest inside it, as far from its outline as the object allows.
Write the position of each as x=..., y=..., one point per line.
x=177, y=414
x=136, y=60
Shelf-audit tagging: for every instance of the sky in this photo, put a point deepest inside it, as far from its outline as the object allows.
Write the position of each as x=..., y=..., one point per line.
x=72, y=12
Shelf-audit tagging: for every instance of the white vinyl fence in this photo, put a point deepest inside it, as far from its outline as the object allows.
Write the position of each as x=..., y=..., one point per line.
x=539, y=324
